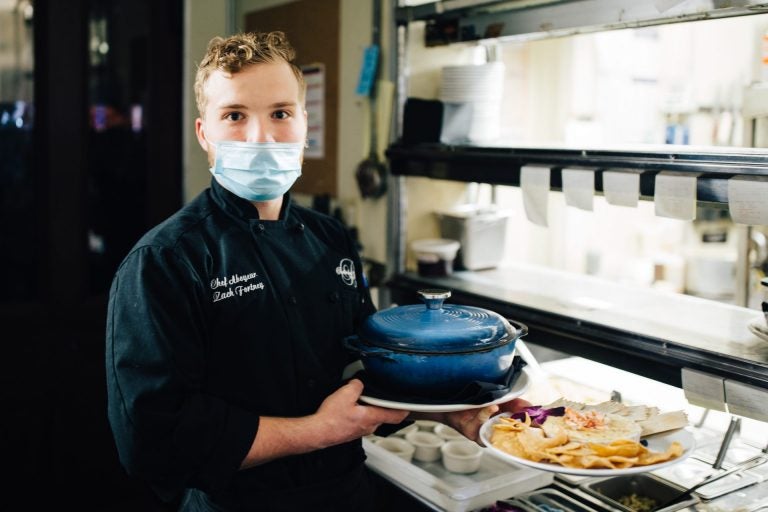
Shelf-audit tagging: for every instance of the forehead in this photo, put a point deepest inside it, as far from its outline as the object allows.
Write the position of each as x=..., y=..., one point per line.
x=268, y=82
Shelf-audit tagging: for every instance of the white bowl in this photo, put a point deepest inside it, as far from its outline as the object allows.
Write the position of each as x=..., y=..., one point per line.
x=427, y=445
x=426, y=425
x=461, y=456
x=447, y=433
x=410, y=428
x=398, y=446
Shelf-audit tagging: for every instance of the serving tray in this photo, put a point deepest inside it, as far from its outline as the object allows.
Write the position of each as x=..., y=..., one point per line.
x=495, y=480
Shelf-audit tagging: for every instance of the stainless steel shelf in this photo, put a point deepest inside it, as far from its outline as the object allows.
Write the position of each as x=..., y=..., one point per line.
x=455, y=21
x=501, y=166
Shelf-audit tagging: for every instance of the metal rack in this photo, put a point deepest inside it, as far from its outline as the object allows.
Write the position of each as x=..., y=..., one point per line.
x=501, y=166
x=653, y=356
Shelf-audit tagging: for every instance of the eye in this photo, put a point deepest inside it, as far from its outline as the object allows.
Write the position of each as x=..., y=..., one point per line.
x=234, y=116
x=281, y=114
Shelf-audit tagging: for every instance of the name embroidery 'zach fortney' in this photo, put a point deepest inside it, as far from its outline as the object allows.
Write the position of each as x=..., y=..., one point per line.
x=346, y=270
x=235, y=285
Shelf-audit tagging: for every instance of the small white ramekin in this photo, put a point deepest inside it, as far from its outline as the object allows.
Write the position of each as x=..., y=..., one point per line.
x=397, y=446
x=461, y=456
x=448, y=433
x=405, y=430
x=427, y=445
x=426, y=425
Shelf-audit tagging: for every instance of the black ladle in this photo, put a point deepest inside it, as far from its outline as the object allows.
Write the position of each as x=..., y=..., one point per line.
x=371, y=172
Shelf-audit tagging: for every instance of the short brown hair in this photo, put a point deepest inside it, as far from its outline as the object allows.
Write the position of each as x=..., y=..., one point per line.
x=234, y=53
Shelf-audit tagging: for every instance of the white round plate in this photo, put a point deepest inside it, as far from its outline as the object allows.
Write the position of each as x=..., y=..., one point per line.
x=656, y=443
x=520, y=386
x=759, y=328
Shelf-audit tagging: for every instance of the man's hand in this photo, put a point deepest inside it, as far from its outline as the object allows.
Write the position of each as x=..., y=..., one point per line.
x=343, y=419
x=515, y=405
x=338, y=419
x=469, y=422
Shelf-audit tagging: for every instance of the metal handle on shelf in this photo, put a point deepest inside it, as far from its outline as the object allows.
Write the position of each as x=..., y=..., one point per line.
x=732, y=428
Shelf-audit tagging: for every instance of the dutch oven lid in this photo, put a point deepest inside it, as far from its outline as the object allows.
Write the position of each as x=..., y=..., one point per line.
x=435, y=327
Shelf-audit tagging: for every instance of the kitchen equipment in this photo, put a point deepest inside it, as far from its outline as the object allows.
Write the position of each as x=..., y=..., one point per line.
x=427, y=445
x=426, y=425
x=645, y=488
x=453, y=492
x=472, y=96
x=481, y=231
x=547, y=500
x=410, y=428
x=711, y=255
x=436, y=348
x=435, y=256
x=371, y=172
x=461, y=456
x=448, y=433
x=685, y=494
x=520, y=386
x=398, y=446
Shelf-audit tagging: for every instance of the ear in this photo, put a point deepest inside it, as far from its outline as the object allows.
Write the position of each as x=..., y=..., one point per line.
x=200, y=132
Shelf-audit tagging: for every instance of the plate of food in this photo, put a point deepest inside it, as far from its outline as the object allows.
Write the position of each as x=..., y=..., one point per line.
x=604, y=439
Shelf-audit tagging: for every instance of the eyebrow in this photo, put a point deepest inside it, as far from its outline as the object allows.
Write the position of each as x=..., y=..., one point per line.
x=279, y=104
x=231, y=106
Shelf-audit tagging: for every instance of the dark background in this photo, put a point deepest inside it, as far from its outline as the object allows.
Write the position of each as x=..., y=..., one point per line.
x=80, y=181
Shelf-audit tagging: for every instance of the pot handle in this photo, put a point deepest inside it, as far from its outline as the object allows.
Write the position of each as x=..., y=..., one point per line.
x=522, y=329
x=353, y=343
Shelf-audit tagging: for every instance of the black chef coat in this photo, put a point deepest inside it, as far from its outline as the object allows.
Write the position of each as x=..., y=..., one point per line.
x=217, y=318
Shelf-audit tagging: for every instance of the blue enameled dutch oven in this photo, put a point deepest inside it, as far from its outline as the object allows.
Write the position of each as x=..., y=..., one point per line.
x=436, y=347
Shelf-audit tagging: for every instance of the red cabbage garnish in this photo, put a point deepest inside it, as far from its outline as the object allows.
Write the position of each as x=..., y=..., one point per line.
x=538, y=414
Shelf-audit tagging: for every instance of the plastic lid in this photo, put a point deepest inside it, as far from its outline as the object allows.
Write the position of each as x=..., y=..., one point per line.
x=441, y=247
x=436, y=327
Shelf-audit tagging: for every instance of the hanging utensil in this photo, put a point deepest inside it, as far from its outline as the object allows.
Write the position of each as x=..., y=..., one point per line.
x=371, y=172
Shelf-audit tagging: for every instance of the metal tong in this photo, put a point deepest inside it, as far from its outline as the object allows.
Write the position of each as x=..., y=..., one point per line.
x=747, y=464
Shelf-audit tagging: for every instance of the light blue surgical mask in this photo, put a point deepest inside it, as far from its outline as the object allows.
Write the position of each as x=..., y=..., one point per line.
x=257, y=171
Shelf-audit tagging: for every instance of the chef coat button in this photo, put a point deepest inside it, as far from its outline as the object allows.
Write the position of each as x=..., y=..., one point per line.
x=293, y=300
x=333, y=297
x=300, y=227
x=262, y=227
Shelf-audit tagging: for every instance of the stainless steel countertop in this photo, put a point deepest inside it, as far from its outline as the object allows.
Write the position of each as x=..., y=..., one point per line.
x=568, y=378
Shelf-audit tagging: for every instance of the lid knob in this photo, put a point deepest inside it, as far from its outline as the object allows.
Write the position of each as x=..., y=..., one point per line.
x=434, y=298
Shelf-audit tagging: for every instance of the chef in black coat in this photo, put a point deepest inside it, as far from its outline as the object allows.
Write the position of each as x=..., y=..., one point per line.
x=224, y=355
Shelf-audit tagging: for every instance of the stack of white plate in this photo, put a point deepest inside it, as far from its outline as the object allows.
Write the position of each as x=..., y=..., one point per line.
x=472, y=99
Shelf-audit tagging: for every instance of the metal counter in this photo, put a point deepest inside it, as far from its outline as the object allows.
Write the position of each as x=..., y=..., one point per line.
x=431, y=486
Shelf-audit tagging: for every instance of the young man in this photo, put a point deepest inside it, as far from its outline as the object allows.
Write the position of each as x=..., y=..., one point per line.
x=224, y=353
